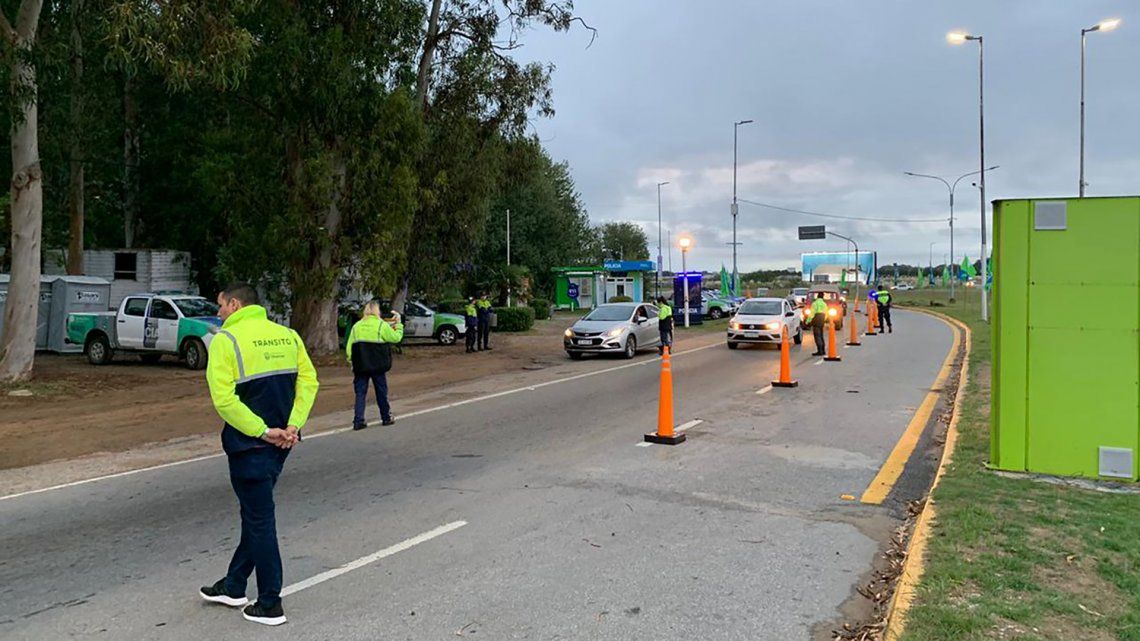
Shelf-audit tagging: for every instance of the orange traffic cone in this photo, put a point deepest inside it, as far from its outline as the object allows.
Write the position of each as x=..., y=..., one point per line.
x=665, y=434
x=831, y=355
x=872, y=318
x=785, y=363
x=854, y=340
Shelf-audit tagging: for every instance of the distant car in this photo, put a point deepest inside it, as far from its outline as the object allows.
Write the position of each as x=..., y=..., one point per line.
x=836, y=304
x=714, y=307
x=614, y=328
x=762, y=320
x=798, y=296
x=903, y=287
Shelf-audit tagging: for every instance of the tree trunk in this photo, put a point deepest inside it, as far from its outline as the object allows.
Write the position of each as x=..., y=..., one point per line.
x=18, y=337
x=423, y=80
x=75, y=196
x=130, y=161
x=315, y=308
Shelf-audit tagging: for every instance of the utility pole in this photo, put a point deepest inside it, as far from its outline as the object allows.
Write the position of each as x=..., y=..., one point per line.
x=658, y=283
x=508, y=258
x=735, y=208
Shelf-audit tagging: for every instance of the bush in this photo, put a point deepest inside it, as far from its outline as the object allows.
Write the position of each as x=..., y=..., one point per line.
x=514, y=319
x=454, y=306
x=541, y=308
x=620, y=299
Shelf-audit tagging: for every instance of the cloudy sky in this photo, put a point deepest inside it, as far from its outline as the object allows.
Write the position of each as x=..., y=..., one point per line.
x=846, y=95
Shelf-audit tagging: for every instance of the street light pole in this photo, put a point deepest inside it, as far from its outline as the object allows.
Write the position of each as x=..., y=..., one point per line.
x=951, y=189
x=508, y=257
x=1106, y=25
x=982, y=169
x=657, y=284
x=735, y=208
x=685, y=242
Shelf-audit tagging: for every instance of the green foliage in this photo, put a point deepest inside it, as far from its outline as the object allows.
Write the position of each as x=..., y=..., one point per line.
x=623, y=241
x=541, y=308
x=453, y=306
x=620, y=299
x=514, y=319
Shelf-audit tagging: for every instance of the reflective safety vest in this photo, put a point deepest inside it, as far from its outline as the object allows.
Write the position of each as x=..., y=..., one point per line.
x=367, y=342
x=664, y=312
x=260, y=376
x=884, y=298
x=818, y=306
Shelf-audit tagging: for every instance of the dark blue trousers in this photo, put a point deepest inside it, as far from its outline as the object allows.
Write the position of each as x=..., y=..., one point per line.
x=253, y=474
x=360, y=386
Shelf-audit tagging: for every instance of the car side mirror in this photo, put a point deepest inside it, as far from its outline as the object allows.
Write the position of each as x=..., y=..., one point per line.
x=790, y=314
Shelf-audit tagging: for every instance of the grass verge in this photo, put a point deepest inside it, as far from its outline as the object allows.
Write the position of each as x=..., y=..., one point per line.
x=1013, y=558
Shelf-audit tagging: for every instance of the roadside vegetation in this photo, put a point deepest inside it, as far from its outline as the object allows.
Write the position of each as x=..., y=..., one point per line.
x=1017, y=558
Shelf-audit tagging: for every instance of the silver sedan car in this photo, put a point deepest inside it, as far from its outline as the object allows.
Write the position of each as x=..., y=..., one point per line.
x=615, y=328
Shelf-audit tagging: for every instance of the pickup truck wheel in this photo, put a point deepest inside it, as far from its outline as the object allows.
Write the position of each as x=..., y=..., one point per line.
x=447, y=335
x=150, y=359
x=195, y=354
x=715, y=313
x=98, y=350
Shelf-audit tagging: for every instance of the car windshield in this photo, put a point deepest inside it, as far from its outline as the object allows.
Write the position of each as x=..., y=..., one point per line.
x=196, y=307
x=826, y=295
x=610, y=313
x=760, y=308
x=800, y=291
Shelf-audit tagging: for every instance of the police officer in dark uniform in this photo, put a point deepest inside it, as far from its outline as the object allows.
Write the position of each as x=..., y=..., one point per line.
x=483, y=310
x=263, y=385
x=470, y=325
x=817, y=318
x=883, y=300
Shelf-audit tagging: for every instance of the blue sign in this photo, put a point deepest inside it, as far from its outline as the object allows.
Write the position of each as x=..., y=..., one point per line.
x=572, y=291
x=694, y=282
x=628, y=265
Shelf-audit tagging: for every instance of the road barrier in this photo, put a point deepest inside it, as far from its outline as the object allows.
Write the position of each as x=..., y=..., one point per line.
x=785, y=363
x=854, y=340
x=665, y=434
x=831, y=353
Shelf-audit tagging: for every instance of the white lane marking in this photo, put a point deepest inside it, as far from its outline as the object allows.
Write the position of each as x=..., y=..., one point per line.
x=819, y=362
x=764, y=390
x=684, y=426
x=372, y=558
x=644, y=444
x=339, y=430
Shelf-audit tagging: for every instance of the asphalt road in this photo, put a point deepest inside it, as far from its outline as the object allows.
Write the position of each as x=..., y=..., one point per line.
x=562, y=526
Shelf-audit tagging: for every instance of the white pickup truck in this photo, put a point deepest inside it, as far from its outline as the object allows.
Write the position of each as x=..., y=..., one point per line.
x=149, y=325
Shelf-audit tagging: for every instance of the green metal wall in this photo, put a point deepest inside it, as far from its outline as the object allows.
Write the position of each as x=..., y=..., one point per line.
x=1066, y=377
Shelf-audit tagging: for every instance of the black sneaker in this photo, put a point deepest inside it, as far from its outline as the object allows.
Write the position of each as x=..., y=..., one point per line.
x=391, y=420
x=263, y=615
x=359, y=426
x=216, y=593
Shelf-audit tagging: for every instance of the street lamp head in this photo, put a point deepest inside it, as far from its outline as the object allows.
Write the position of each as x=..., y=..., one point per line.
x=743, y=122
x=685, y=242
x=662, y=184
x=956, y=37
x=1107, y=25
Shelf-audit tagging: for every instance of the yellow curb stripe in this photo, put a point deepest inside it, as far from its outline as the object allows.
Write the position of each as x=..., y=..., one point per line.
x=892, y=469
x=916, y=550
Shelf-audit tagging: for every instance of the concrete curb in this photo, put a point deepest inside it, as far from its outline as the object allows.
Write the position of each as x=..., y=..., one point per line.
x=914, y=565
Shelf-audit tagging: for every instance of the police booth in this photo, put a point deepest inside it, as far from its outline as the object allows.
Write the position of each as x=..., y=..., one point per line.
x=694, y=282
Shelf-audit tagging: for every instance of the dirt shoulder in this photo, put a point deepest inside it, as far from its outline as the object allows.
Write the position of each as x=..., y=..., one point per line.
x=77, y=409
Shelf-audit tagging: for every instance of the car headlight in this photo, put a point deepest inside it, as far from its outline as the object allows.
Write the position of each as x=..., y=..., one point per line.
x=615, y=331
x=734, y=325
x=568, y=333
x=831, y=311
x=772, y=326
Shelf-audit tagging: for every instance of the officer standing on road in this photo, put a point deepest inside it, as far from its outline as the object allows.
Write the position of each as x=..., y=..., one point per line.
x=817, y=316
x=369, y=353
x=883, y=300
x=263, y=386
x=664, y=324
x=483, y=307
x=470, y=325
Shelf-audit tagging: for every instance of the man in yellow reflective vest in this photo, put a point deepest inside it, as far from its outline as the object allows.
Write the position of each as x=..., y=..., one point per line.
x=263, y=385
x=883, y=300
x=664, y=325
x=817, y=316
x=483, y=311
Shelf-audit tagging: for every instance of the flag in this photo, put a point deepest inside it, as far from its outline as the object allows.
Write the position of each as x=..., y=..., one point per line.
x=990, y=273
x=968, y=270
x=918, y=280
x=945, y=275
x=843, y=278
x=724, y=277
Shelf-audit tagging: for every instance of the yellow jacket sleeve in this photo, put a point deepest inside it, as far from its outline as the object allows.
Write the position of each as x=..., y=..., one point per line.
x=221, y=376
x=307, y=386
x=349, y=341
x=390, y=334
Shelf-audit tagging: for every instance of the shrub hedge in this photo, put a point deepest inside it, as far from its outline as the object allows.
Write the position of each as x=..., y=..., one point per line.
x=514, y=319
x=541, y=308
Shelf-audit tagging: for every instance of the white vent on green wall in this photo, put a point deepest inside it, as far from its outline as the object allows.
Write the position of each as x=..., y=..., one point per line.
x=1050, y=215
x=1116, y=462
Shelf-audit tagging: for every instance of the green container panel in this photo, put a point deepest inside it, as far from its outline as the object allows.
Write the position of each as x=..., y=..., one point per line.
x=1066, y=333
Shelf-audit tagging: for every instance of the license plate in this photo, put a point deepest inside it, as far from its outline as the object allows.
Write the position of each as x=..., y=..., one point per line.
x=751, y=334
x=582, y=342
